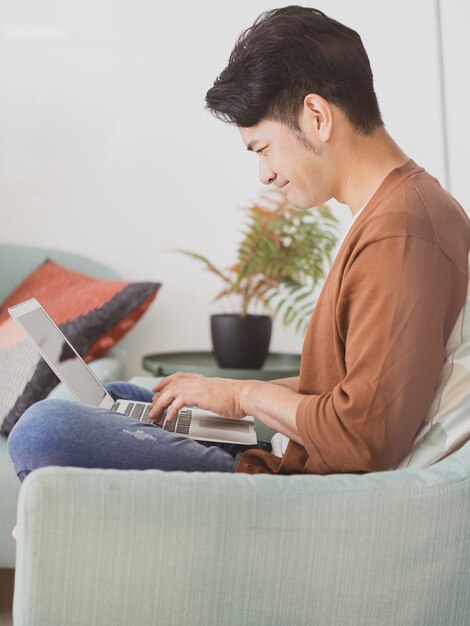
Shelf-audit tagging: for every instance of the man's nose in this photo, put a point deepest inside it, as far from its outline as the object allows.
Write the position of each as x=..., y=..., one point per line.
x=266, y=175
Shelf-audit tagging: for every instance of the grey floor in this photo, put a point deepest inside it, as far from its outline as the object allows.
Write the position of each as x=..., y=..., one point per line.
x=7, y=577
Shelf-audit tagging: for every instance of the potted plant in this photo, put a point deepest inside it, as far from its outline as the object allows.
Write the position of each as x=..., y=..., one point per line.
x=284, y=254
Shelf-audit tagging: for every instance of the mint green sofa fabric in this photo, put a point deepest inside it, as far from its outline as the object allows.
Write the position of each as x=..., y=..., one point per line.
x=116, y=548
x=106, y=370
x=16, y=262
x=9, y=490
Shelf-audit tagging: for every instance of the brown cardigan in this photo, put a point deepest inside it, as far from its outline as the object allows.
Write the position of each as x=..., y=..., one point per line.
x=375, y=345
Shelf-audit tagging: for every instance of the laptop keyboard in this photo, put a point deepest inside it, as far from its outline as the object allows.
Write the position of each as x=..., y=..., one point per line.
x=140, y=412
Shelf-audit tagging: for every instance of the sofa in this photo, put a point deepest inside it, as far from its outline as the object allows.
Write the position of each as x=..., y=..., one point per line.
x=116, y=548
x=16, y=262
x=113, y=547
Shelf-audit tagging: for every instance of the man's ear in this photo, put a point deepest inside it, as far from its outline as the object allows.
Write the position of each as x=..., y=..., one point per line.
x=318, y=115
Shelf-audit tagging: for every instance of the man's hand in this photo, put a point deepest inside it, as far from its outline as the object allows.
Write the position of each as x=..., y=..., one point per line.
x=220, y=395
x=159, y=386
x=274, y=404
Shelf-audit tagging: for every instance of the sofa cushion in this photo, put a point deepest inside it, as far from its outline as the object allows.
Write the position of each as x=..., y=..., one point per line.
x=447, y=424
x=93, y=314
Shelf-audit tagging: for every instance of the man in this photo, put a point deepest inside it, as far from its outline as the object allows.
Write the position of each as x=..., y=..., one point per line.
x=299, y=87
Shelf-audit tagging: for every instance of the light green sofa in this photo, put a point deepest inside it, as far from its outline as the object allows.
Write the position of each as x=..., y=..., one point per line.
x=120, y=548
x=16, y=262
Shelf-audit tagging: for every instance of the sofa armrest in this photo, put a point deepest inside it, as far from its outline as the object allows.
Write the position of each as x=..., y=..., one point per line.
x=149, y=547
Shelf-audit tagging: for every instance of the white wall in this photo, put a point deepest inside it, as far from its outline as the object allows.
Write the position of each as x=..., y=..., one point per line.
x=106, y=150
x=455, y=18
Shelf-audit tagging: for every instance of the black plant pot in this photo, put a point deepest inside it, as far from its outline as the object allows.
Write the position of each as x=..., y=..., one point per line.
x=241, y=342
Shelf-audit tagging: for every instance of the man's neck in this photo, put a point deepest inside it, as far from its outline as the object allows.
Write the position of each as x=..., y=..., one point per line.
x=365, y=164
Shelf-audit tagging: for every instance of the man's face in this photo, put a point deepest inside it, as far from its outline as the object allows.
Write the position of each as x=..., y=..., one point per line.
x=291, y=160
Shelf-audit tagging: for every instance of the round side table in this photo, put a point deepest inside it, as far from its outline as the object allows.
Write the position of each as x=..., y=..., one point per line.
x=277, y=365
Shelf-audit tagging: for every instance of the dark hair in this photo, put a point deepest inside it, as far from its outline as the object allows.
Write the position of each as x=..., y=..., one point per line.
x=285, y=55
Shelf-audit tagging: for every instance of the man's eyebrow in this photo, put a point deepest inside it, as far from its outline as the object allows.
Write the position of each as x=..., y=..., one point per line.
x=251, y=144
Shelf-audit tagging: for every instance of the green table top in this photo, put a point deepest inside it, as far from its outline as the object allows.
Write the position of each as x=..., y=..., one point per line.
x=277, y=365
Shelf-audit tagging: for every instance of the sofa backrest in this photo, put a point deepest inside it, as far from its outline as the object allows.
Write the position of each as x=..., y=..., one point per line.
x=17, y=261
x=447, y=424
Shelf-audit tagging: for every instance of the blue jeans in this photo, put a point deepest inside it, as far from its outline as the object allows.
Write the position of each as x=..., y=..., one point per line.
x=67, y=433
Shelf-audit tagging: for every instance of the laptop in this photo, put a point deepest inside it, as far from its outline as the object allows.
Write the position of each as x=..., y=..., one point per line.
x=72, y=370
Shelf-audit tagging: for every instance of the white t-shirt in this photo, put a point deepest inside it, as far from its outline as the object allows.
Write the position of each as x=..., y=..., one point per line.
x=278, y=441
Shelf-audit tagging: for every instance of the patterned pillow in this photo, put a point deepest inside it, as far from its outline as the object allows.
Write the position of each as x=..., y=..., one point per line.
x=447, y=425
x=93, y=314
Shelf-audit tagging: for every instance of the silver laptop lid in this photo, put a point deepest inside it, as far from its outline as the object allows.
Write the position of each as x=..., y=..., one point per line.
x=58, y=352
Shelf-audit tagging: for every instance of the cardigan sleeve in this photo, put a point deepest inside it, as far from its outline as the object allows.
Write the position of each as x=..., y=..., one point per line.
x=398, y=301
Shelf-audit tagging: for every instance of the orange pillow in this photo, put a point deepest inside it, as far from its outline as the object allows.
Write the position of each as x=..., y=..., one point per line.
x=93, y=314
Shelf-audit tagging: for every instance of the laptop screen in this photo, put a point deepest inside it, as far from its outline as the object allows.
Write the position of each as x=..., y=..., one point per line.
x=58, y=352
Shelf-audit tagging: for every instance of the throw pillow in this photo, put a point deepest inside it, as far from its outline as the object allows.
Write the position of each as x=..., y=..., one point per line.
x=93, y=314
x=447, y=424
